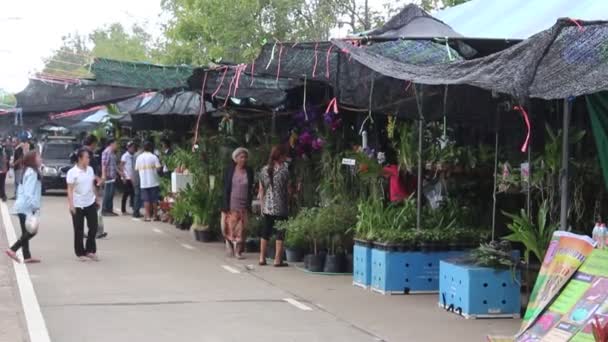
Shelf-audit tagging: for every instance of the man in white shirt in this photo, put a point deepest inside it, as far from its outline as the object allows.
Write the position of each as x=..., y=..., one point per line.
x=127, y=167
x=147, y=166
x=83, y=203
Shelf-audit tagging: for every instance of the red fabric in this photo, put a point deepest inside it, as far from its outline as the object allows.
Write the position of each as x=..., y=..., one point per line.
x=398, y=189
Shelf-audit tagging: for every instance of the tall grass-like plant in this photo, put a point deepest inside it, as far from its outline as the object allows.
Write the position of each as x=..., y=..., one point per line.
x=535, y=236
x=406, y=147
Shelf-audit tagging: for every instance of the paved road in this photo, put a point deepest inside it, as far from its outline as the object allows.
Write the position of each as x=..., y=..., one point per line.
x=155, y=283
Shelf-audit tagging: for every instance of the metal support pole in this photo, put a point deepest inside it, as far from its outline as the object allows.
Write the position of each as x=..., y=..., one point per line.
x=563, y=219
x=496, y=139
x=419, y=102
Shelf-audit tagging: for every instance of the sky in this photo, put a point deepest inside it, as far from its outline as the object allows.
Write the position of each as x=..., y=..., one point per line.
x=31, y=30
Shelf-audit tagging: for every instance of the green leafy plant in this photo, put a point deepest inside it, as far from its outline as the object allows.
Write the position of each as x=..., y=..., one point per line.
x=494, y=254
x=406, y=147
x=180, y=210
x=535, y=236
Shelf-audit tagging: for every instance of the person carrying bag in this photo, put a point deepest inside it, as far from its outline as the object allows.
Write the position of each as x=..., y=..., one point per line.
x=27, y=207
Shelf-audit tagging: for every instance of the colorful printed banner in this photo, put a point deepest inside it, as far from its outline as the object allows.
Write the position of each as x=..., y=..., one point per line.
x=566, y=253
x=570, y=316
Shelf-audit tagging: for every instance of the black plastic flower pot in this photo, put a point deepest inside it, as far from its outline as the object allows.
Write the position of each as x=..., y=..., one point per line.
x=204, y=235
x=335, y=263
x=316, y=263
x=294, y=254
x=349, y=263
x=307, y=260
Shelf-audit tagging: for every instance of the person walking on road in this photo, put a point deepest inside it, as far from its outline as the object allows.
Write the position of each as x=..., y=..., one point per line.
x=127, y=162
x=148, y=165
x=27, y=204
x=136, y=186
x=21, y=149
x=274, y=196
x=109, y=173
x=83, y=204
x=238, y=185
x=4, y=166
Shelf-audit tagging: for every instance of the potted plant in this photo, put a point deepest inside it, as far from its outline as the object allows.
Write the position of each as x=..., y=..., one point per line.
x=180, y=214
x=315, y=235
x=336, y=220
x=295, y=240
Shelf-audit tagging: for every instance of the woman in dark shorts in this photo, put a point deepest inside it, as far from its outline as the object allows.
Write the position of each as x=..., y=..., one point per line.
x=274, y=196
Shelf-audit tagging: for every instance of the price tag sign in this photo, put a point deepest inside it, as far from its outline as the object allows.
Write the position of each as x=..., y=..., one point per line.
x=349, y=161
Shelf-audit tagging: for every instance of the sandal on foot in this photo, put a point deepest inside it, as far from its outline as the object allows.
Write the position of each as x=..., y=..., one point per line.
x=263, y=263
x=13, y=255
x=32, y=261
x=283, y=264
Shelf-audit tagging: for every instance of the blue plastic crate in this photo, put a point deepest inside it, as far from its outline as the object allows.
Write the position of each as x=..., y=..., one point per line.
x=362, y=265
x=395, y=272
x=479, y=292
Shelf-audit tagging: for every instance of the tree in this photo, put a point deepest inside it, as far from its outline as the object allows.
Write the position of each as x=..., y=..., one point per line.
x=430, y=5
x=78, y=51
x=70, y=59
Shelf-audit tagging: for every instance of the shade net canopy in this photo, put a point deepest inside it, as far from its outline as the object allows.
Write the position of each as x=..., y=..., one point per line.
x=570, y=59
x=413, y=22
x=41, y=96
x=140, y=75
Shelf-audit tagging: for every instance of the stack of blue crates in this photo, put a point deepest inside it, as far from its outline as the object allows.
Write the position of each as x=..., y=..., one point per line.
x=362, y=264
x=479, y=292
x=398, y=272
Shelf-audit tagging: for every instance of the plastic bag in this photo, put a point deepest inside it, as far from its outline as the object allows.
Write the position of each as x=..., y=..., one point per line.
x=436, y=192
x=99, y=220
x=32, y=222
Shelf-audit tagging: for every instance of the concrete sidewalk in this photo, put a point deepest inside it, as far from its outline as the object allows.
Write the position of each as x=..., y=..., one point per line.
x=156, y=283
x=12, y=321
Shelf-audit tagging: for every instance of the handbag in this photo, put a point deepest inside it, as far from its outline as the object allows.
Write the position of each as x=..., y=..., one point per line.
x=32, y=222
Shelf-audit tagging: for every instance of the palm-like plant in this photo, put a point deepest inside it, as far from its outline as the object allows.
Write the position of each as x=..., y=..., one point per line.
x=535, y=236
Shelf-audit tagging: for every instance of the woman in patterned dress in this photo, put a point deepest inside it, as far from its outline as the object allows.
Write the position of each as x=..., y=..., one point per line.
x=274, y=196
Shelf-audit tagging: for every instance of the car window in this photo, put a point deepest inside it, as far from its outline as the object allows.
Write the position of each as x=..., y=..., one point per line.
x=57, y=151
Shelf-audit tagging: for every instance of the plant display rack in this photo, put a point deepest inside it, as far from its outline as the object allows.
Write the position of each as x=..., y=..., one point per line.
x=479, y=292
x=405, y=272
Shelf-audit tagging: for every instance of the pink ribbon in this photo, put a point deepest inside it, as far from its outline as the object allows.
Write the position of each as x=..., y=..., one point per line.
x=314, y=67
x=327, y=62
x=279, y=63
x=252, y=71
x=239, y=71
x=521, y=109
x=221, y=82
x=202, y=110
x=580, y=27
x=333, y=105
x=231, y=84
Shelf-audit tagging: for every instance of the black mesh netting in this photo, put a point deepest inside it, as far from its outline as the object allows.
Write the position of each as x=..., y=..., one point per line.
x=322, y=62
x=570, y=59
x=140, y=75
x=44, y=97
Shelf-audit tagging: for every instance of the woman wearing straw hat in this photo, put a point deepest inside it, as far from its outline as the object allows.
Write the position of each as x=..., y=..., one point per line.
x=238, y=194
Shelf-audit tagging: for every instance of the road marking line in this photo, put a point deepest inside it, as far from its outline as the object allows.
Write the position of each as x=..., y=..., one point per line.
x=31, y=308
x=231, y=269
x=297, y=304
x=187, y=246
x=156, y=230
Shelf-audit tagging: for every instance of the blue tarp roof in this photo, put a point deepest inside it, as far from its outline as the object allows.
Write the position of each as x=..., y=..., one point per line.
x=517, y=19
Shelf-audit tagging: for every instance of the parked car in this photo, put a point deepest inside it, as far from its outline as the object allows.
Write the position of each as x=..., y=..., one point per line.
x=55, y=154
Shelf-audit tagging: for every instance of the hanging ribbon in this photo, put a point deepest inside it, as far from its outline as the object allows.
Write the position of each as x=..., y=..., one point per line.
x=447, y=48
x=327, y=62
x=369, y=109
x=271, y=55
x=221, y=83
x=279, y=63
x=239, y=71
x=521, y=109
x=314, y=67
x=252, y=72
x=202, y=111
x=231, y=84
x=408, y=84
x=332, y=106
x=304, y=103
x=580, y=27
